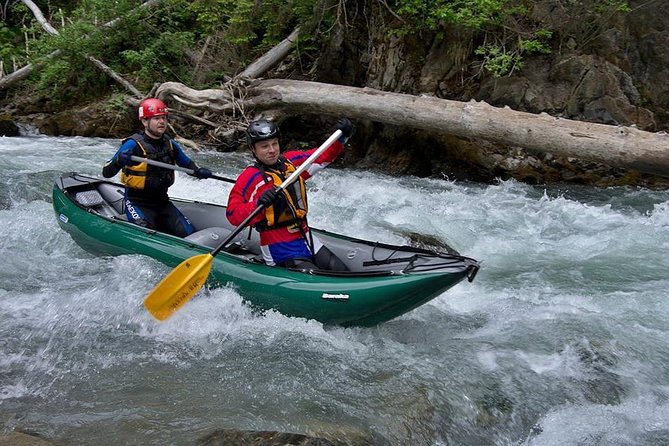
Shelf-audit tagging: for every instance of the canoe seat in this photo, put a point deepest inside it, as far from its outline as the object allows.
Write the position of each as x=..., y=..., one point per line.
x=209, y=236
x=113, y=195
x=89, y=198
x=92, y=199
x=213, y=236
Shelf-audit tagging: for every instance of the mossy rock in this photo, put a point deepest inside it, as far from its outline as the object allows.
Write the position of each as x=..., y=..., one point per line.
x=8, y=127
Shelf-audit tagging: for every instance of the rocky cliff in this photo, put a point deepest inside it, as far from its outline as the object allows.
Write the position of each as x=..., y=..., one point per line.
x=616, y=74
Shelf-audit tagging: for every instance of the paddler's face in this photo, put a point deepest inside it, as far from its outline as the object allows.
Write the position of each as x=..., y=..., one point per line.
x=267, y=151
x=156, y=126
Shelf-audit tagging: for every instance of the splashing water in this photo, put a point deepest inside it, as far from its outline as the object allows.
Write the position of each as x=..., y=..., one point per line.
x=561, y=339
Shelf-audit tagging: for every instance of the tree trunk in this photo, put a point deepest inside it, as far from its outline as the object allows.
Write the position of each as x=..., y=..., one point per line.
x=271, y=58
x=114, y=75
x=25, y=71
x=40, y=17
x=617, y=146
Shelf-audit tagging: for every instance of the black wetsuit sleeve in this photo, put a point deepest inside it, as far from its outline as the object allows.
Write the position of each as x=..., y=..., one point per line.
x=112, y=166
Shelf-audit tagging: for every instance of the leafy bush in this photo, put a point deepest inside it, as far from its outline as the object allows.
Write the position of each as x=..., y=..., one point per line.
x=148, y=45
x=504, y=26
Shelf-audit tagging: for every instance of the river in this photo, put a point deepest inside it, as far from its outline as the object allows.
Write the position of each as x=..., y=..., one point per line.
x=562, y=339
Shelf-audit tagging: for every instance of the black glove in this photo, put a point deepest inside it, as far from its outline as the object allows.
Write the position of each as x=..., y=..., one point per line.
x=125, y=160
x=346, y=127
x=268, y=197
x=202, y=172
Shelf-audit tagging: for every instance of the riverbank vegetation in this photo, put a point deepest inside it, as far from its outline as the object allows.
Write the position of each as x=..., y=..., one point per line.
x=202, y=43
x=78, y=68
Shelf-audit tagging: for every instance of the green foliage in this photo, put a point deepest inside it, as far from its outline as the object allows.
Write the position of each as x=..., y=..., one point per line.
x=211, y=15
x=116, y=105
x=505, y=27
x=606, y=6
x=13, y=47
x=10, y=39
x=160, y=59
x=247, y=21
x=498, y=61
x=502, y=52
x=137, y=47
x=240, y=23
x=54, y=80
x=538, y=45
x=147, y=45
x=475, y=14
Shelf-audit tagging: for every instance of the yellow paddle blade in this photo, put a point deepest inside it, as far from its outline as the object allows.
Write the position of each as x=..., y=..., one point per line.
x=178, y=286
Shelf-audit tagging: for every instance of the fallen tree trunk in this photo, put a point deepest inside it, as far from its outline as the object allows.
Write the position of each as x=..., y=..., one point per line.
x=37, y=13
x=115, y=76
x=271, y=58
x=25, y=71
x=617, y=146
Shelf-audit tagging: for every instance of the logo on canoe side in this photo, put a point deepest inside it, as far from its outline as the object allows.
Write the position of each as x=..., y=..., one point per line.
x=329, y=296
x=63, y=218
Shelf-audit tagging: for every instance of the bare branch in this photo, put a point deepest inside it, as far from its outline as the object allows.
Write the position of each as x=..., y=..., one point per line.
x=393, y=13
x=40, y=17
x=24, y=72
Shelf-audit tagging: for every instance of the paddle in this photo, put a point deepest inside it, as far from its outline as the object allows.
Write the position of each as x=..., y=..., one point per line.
x=188, y=277
x=174, y=167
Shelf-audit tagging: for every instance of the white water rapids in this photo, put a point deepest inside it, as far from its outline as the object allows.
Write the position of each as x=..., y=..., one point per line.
x=562, y=339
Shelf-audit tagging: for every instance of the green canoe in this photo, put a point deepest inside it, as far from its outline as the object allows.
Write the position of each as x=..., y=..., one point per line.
x=384, y=281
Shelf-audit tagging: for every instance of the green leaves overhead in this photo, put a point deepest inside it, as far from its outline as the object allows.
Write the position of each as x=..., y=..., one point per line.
x=149, y=44
x=475, y=14
x=201, y=42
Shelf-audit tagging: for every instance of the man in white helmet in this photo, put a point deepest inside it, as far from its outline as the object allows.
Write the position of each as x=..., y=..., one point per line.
x=285, y=239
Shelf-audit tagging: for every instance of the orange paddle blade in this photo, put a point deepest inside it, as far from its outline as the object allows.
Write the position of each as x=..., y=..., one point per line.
x=178, y=286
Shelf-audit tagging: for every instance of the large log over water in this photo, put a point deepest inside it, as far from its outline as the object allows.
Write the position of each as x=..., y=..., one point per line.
x=617, y=146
